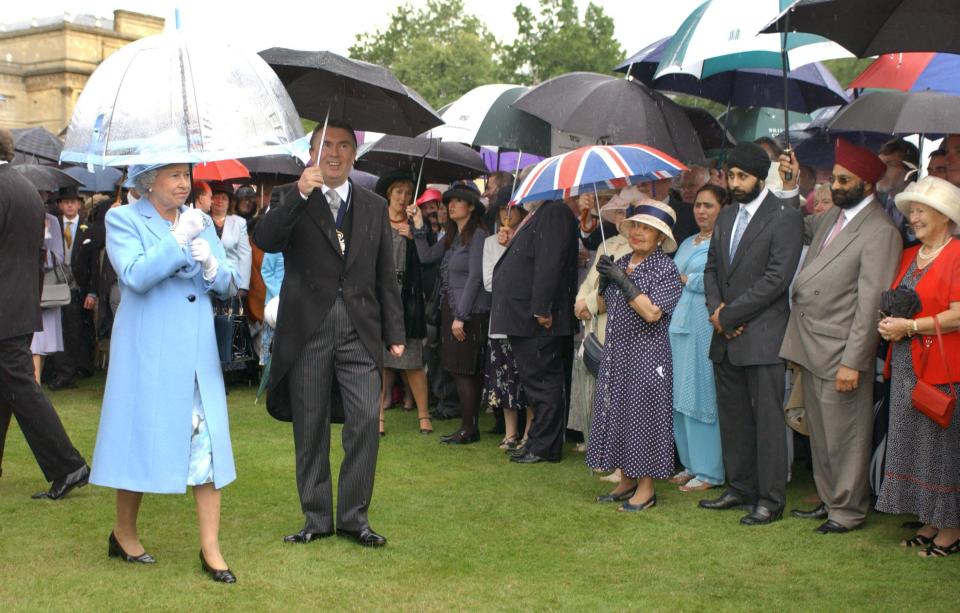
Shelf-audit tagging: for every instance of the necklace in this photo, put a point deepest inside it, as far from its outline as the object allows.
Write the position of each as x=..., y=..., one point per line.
x=403, y=219
x=935, y=252
x=702, y=237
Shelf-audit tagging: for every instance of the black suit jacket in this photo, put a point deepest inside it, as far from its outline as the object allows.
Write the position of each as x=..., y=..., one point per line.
x=315, y=271
x=21, y=241
x=754, y=287
x=84, y=256
x=537, y=275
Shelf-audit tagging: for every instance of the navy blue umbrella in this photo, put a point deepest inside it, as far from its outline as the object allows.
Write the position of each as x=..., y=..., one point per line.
x=102, y=179
x=810, y=87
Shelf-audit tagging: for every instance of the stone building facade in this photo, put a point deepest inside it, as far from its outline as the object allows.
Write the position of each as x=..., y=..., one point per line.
x=45, y=63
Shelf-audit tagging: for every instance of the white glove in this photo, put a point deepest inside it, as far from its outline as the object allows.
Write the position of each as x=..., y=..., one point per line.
x=201, y=252
x=189, y=226
x=270, y=312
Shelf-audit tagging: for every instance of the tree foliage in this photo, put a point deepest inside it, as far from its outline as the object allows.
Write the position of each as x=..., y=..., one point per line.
x=557, y=42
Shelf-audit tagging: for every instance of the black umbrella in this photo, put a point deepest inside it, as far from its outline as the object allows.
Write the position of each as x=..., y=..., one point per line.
x=101, y=179
x=442, y=162
x=893, y=112
x=37, y=142
x=279, y=166
x=712, y=135
x=874, y=27
x=47, y=178
x=616, y=111
x=326, y=85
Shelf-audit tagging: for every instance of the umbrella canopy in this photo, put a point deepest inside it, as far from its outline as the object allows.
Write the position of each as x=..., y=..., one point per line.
x=614, y=111
x=507, y=160
x=367, y=96
x=817, y=148
x=97, y=180
x=37, y=142
x=874, y=27
x=749, y=124
x=280, y=166
x=483, y=116
x=810, y=87
x=712, y=135
x=442, y=162
x=222, y=170
x=596, y=167
x=46, y=178
x=722, y=35
x=912, y=72
x=893, y=112
x=171, y=98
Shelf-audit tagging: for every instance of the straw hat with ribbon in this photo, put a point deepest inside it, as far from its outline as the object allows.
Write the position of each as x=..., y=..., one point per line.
x=655, y=214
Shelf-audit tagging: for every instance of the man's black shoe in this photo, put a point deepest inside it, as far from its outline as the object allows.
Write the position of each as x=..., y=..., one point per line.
x=831, y=527
x=724, y=502
x=529, y=458
x=303, y=537
x=365, y=537
x=62, y=385
x=761, y=515
x=62, y=487
x=819, y=513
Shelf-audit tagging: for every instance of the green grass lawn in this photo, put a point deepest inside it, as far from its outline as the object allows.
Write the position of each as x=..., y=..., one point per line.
x=467, y=530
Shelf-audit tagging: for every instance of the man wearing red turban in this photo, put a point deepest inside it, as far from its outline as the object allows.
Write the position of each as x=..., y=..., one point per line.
x=852, y=257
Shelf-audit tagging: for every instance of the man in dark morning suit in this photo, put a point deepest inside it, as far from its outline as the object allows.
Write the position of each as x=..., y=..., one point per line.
x=752, y=258
x=21, y=241
x=81, y=249
x=534, y=286
x=339, y=306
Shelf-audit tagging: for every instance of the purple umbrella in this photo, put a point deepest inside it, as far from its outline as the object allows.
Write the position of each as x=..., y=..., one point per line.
x=810, y=87
x=507, y=160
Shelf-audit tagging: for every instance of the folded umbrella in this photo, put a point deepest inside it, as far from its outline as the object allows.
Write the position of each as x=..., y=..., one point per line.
x=612, y=110
x=873, y=27
x=325, y=85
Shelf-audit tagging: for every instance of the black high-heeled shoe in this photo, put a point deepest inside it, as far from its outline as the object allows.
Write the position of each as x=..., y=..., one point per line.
x=114, y=550
x=220, y=576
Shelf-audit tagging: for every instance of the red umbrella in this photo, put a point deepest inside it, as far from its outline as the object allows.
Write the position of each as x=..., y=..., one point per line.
x=220, y=171
x=912, y=72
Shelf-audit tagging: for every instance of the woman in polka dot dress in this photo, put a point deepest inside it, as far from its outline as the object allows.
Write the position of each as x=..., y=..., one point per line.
x=633, y=408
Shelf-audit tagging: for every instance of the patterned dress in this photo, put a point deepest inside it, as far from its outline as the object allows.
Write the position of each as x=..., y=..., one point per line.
x=632, y=425
x=922, y=475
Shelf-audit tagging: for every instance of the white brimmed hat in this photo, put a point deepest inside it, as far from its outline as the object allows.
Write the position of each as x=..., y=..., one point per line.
x=657, y=215
x=933, y=192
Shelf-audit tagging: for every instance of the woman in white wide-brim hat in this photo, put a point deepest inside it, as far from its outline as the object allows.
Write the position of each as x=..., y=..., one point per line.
x=632, y=426
x=923, y=459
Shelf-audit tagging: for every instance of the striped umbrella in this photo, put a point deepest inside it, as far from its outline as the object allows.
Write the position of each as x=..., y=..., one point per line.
x=596, y=167
x=912, y=72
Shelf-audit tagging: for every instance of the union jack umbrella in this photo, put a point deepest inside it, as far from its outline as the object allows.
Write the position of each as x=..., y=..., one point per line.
x=596, y=167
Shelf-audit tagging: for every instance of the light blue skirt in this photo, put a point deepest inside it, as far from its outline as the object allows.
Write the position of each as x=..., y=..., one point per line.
x=201, y=449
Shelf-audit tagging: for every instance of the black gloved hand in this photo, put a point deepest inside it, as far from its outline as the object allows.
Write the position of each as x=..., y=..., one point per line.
x=611, y=273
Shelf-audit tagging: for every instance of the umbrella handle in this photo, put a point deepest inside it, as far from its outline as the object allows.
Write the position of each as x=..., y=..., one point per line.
x=603, y=238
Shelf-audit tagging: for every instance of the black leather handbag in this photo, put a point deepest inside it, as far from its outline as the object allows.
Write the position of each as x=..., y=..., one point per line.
x=592, y=353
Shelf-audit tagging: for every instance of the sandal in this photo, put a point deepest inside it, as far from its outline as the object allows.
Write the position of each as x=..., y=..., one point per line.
x=428, y=429
x=634, y=508
x=508, y=442
x=681, y=477
x=917, y=540
x=696, y=485
x=940, y=551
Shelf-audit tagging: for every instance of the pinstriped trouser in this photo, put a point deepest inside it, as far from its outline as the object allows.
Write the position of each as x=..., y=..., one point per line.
x=335, y=350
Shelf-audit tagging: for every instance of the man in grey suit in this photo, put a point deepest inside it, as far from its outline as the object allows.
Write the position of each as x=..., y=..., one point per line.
x=339, y=306
x=752, y=258
x=853, y=255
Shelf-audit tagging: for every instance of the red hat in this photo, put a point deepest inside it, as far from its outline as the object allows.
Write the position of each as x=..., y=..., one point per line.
x=428, y=196
x=861, y=162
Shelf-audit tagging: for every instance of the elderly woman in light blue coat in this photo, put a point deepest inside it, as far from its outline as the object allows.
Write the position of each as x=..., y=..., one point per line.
x=164, y=423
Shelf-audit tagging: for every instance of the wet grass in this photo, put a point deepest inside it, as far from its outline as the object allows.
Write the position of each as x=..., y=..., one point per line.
x=467, y=531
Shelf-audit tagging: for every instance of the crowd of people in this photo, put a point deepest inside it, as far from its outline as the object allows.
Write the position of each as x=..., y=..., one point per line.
x=660, y=328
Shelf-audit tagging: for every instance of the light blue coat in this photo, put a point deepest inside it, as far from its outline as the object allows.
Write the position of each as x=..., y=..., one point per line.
x=163, y=341
x=694, y=390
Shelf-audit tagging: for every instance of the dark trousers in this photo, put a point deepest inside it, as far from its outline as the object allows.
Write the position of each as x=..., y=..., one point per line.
x=21, y=396
x=441, y=384
x=335, y=352
x=750, y=410
x=76, y=359
x=541, y=368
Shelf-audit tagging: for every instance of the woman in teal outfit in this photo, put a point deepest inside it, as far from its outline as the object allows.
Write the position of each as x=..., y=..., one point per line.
x=695, y=425
x=163, y=426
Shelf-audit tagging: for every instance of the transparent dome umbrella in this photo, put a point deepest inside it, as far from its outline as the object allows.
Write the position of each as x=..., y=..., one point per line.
x=177, y=98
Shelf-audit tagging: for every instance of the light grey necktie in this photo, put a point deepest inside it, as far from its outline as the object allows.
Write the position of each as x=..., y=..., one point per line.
x=743, y=218
x=334, y=199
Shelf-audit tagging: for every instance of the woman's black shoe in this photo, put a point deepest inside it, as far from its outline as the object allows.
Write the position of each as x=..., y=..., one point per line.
x=114, y=550
x=220, y=576
x=461, y=437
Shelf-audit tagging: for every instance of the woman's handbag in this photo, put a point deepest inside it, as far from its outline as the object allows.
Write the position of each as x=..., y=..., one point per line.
x=57, y=285
x=592, y=353
x=926, y=398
